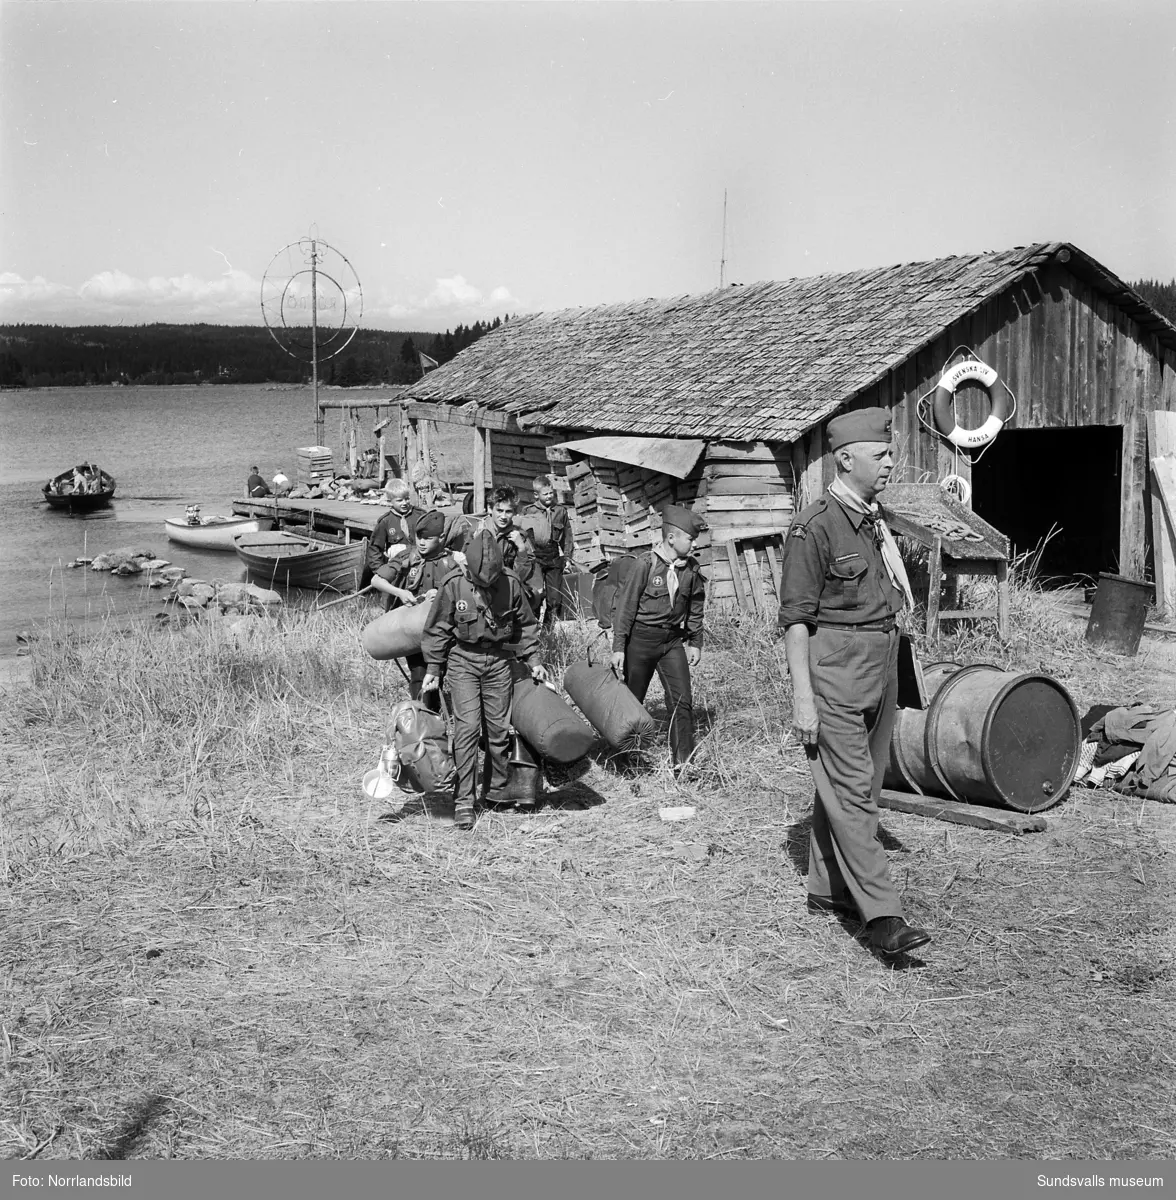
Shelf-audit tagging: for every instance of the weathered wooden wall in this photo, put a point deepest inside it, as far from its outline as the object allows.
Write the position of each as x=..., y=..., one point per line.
x=1071, y=358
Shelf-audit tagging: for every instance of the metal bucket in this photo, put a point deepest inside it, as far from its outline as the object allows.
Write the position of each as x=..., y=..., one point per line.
x=1118, y=612
x=907, y=768
x=1005, y=738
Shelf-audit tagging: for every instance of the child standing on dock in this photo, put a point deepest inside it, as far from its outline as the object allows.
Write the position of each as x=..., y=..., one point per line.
x=480, y=621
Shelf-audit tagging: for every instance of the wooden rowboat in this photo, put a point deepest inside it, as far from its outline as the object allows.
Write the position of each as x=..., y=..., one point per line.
x=213, y=532
x=293, y=561
x=61, y=493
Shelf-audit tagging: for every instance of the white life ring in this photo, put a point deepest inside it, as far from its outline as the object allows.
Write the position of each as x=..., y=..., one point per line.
x=951, y=379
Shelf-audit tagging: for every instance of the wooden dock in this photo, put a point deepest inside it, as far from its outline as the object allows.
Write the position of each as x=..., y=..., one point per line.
x=333, y=520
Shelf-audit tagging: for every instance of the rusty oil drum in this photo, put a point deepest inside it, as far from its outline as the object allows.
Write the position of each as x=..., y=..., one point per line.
x=990, y=736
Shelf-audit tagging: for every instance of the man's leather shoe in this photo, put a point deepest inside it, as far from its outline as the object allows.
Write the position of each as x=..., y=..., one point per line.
x=892, y=935
x=826, y=904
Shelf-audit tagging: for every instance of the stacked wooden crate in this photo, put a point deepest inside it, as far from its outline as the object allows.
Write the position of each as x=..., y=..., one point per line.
x=746, y=495
x=518, y=459
x=314, y=465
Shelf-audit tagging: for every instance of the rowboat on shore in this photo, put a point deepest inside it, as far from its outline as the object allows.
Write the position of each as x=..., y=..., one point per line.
x=80, y=489
x=288, y=560
x=213, y=532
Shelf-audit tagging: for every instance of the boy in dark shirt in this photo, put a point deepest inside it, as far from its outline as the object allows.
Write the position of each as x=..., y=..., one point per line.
x=657, y=624
x=479, y=622
x=415, y=578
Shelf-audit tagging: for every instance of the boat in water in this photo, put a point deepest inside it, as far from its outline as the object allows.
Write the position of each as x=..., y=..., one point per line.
x=80, y=489
x=213, y=532
x=289, y=560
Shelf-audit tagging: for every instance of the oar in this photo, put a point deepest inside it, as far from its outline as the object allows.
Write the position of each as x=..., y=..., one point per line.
x=349, y=596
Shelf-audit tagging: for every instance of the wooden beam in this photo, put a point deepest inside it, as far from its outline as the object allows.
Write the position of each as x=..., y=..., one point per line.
x=958, y=813
x=479, y=453
x=1161, y=443
x=452, y=414
x=383, y=402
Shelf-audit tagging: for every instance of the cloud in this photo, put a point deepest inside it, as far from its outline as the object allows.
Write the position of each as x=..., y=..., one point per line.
x=111, y=296
x=233, y=297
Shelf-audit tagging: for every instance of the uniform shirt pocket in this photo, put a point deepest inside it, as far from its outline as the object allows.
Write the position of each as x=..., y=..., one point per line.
x=844, y=581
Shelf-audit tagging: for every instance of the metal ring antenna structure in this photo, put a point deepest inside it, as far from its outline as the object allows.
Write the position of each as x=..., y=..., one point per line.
x=311, y=302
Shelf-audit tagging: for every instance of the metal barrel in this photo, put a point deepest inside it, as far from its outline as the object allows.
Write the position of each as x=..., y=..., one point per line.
x=1118, y=613
x=907, y=768
x=1003, y=737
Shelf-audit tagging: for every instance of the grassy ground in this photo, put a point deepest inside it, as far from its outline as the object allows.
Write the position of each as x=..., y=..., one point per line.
x=213, y=945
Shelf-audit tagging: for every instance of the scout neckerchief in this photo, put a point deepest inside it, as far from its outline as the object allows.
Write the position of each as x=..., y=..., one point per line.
x=672, y=565
x=883, y=538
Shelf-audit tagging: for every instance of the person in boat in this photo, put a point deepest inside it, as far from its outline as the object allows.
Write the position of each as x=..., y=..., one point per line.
x=192, y=515
x=255, y=485
x=514, y=543
x=79, y=479
x=551, y=533
x=415, y=578
x=843, y=583
x=479, y=622
x=93, y=479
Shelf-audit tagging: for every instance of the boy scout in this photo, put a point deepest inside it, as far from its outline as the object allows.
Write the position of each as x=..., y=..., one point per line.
x=397, y=527
x=551, y=531
x=518, y=552
x=657, y=624
x=479, y=622
x=843, y=582
x=415, y=578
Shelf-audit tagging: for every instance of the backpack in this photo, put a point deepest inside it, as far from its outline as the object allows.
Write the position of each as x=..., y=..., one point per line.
x=422, y=749
x=609, y=581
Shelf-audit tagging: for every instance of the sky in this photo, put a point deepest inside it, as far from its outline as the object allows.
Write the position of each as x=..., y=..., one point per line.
x=465, y=161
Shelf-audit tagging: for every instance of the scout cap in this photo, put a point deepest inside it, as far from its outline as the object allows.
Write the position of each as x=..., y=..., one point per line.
x=432, y=524
x=861, y=425
x=684, y=519
x=484, y=559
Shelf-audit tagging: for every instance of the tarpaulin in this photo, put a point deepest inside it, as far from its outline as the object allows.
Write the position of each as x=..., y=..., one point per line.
x=670, y=456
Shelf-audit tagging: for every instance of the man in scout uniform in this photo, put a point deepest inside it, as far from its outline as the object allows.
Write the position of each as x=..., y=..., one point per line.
x=415, y=578
x=551, y=531
x=479, y=621
x=843, y=582
x=657, y=624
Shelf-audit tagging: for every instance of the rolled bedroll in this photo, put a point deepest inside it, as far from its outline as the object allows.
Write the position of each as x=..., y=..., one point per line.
x=396, y=633
x=614, y=712
x=547, y=722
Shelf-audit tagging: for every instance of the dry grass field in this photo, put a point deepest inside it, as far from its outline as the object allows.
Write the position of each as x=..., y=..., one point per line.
x=214, y=946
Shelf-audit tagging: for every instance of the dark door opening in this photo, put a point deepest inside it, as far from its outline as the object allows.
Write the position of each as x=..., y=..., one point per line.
x=1030, y=480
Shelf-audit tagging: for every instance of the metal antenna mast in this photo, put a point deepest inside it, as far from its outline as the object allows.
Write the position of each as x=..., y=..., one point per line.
x=723, y=259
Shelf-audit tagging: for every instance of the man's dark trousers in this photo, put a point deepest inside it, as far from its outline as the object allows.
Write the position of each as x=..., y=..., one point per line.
x=480, y=689
x=417, y=670
x=651, y=649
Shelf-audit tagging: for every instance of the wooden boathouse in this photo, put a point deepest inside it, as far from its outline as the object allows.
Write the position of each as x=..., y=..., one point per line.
x=718, y=400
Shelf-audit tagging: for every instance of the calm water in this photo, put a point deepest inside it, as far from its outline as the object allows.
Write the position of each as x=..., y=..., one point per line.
x=167, y=447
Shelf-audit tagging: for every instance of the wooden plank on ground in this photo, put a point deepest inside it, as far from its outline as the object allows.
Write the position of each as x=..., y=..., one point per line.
x=1161, y=443
x=736, y=579
x=958, y=813
x=755, y=583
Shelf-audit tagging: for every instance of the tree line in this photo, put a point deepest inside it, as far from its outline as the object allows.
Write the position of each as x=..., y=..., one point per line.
x=83, y=355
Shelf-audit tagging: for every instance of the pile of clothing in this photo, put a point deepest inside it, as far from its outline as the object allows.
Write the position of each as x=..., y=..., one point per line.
x=1131, y=749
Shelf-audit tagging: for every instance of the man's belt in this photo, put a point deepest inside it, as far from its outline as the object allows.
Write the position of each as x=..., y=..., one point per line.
x=863, y=627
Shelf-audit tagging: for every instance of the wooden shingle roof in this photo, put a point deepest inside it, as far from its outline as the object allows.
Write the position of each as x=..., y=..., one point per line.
x=764, y=362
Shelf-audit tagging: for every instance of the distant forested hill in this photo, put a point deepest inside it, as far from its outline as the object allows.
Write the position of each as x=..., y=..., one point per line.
x=1161, y=296
x=74, y=356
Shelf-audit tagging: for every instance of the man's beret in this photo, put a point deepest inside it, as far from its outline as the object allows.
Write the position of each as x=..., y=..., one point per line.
x=432, y=524
x=683, y=518
x=861, y=425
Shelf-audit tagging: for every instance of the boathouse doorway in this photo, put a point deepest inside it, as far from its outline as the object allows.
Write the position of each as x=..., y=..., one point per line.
x=1029, y=481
